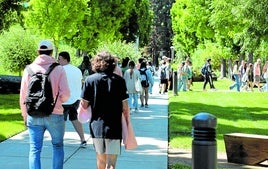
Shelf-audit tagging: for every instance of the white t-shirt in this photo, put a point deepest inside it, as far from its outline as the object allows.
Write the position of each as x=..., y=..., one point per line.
x=74, y=78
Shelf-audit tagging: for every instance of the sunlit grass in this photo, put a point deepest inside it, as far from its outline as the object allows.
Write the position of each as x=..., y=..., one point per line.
x=11, y=121
x=244, y=112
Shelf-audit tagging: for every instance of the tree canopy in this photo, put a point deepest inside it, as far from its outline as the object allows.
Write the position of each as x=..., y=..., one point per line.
x=237, y=27
x=86, y=23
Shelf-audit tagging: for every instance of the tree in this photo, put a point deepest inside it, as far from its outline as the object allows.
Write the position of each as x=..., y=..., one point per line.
x=18, y=48
x=102, y=22
x=161, y=35
x=55, y=19
x=10, y=13
x=190, y=23
x=138, y=24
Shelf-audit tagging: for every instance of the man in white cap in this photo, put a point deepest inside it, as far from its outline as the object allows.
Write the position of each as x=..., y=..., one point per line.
x=53, y=123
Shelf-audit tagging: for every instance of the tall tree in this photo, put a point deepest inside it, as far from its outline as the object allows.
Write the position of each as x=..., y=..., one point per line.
x=138, y=24
x=55, y=19
x=10, y=13
x=190, y=23
x=161, y=35
x=102, y=22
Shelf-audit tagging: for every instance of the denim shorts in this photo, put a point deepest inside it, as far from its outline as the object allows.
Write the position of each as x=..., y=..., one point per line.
x=107, y=146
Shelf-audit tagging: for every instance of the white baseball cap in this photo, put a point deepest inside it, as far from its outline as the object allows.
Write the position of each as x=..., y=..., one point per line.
x=45, y=45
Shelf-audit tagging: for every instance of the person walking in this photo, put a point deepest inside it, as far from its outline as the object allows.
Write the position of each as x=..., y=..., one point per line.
x=146, y=77
x=257, y=73
x=236, y=75
x=85, y=67
x=265, y=76
x=106, y=93
x=74, y=78
x=54, y=123
x=163, y=74
x=132, y=78
x=242, y=70
x=182, y=76
x=248, y=78
x=208, y=75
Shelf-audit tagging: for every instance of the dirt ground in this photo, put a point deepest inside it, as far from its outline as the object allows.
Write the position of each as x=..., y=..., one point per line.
x=185, y=157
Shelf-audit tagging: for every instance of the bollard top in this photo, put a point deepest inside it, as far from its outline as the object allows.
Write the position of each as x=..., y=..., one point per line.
x=204, y=120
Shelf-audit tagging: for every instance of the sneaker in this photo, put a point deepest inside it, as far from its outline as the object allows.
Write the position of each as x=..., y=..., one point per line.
x=142, y=105
x=83, y=144
x=136, y=110
x=146, y=106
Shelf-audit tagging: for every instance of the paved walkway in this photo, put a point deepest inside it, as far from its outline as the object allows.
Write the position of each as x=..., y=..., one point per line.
x=150, y=126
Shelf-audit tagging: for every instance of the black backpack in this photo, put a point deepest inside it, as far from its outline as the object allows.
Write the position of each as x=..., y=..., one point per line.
x=144, y=79
x=163, y=74
x=204, y=69
x=39, y=100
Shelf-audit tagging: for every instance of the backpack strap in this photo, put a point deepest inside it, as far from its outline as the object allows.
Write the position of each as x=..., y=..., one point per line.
x=144, y=72
x=51, y=67
x=29, y=70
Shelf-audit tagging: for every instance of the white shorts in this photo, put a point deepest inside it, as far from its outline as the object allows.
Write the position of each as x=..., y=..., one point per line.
x=107, y=146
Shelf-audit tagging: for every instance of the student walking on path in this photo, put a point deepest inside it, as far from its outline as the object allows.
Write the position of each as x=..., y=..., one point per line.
x=106, y=93
x=146, y=79
x=54, y=123
x=132, y=78
x=74, y=78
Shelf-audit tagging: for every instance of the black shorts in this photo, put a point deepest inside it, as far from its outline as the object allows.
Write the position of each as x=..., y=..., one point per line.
x=71, y=110
x=163, y=81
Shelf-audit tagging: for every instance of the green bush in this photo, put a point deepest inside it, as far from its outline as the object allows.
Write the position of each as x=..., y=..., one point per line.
x=18, y=48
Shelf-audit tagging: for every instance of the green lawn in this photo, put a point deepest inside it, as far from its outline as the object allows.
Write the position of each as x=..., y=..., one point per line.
x=11, y=121
x=244, y=112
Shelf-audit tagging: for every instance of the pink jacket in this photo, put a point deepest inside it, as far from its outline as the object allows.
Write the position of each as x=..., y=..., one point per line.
x=129, y=138
x=58, y=82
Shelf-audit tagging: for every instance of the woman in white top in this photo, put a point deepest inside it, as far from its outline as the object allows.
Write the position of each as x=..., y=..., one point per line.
x=236, y=75
x=132, y=79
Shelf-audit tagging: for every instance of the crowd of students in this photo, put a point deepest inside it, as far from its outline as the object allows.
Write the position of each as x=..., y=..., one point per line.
x=246, y=75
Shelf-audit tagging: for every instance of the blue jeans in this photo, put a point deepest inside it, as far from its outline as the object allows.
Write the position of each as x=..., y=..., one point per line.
x=265, y=86
x=182, y=83
x=56, y=127
x=237, y=83
x=133, y=100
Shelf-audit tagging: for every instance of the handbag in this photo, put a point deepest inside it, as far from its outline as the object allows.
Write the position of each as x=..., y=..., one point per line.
x=84, y=115
x=138, y=86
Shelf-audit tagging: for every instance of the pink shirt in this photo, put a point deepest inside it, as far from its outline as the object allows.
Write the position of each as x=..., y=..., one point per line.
x=257, y=69
x=58, y=82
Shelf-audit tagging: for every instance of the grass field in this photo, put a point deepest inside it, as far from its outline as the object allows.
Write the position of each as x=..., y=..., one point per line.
x=11, y=121
x=244, y=112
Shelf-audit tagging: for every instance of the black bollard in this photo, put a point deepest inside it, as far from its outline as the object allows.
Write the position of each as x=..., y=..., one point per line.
x=175, y=83
x=204, y=145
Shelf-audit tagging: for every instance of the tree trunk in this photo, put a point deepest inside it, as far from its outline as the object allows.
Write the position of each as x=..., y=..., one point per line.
x=223, y=68
x=250, y=58
x=230, y=68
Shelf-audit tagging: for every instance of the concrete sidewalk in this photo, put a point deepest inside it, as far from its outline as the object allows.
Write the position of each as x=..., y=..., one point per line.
x=151, y=130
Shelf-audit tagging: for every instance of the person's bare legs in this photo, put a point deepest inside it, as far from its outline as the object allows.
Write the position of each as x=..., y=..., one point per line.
x=111, y=161
x=106, y=161
x=79, y=129
x=146, y=93
x=142, y=97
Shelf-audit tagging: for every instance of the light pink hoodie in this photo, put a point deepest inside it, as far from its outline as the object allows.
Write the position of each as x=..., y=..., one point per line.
x=58, y=82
